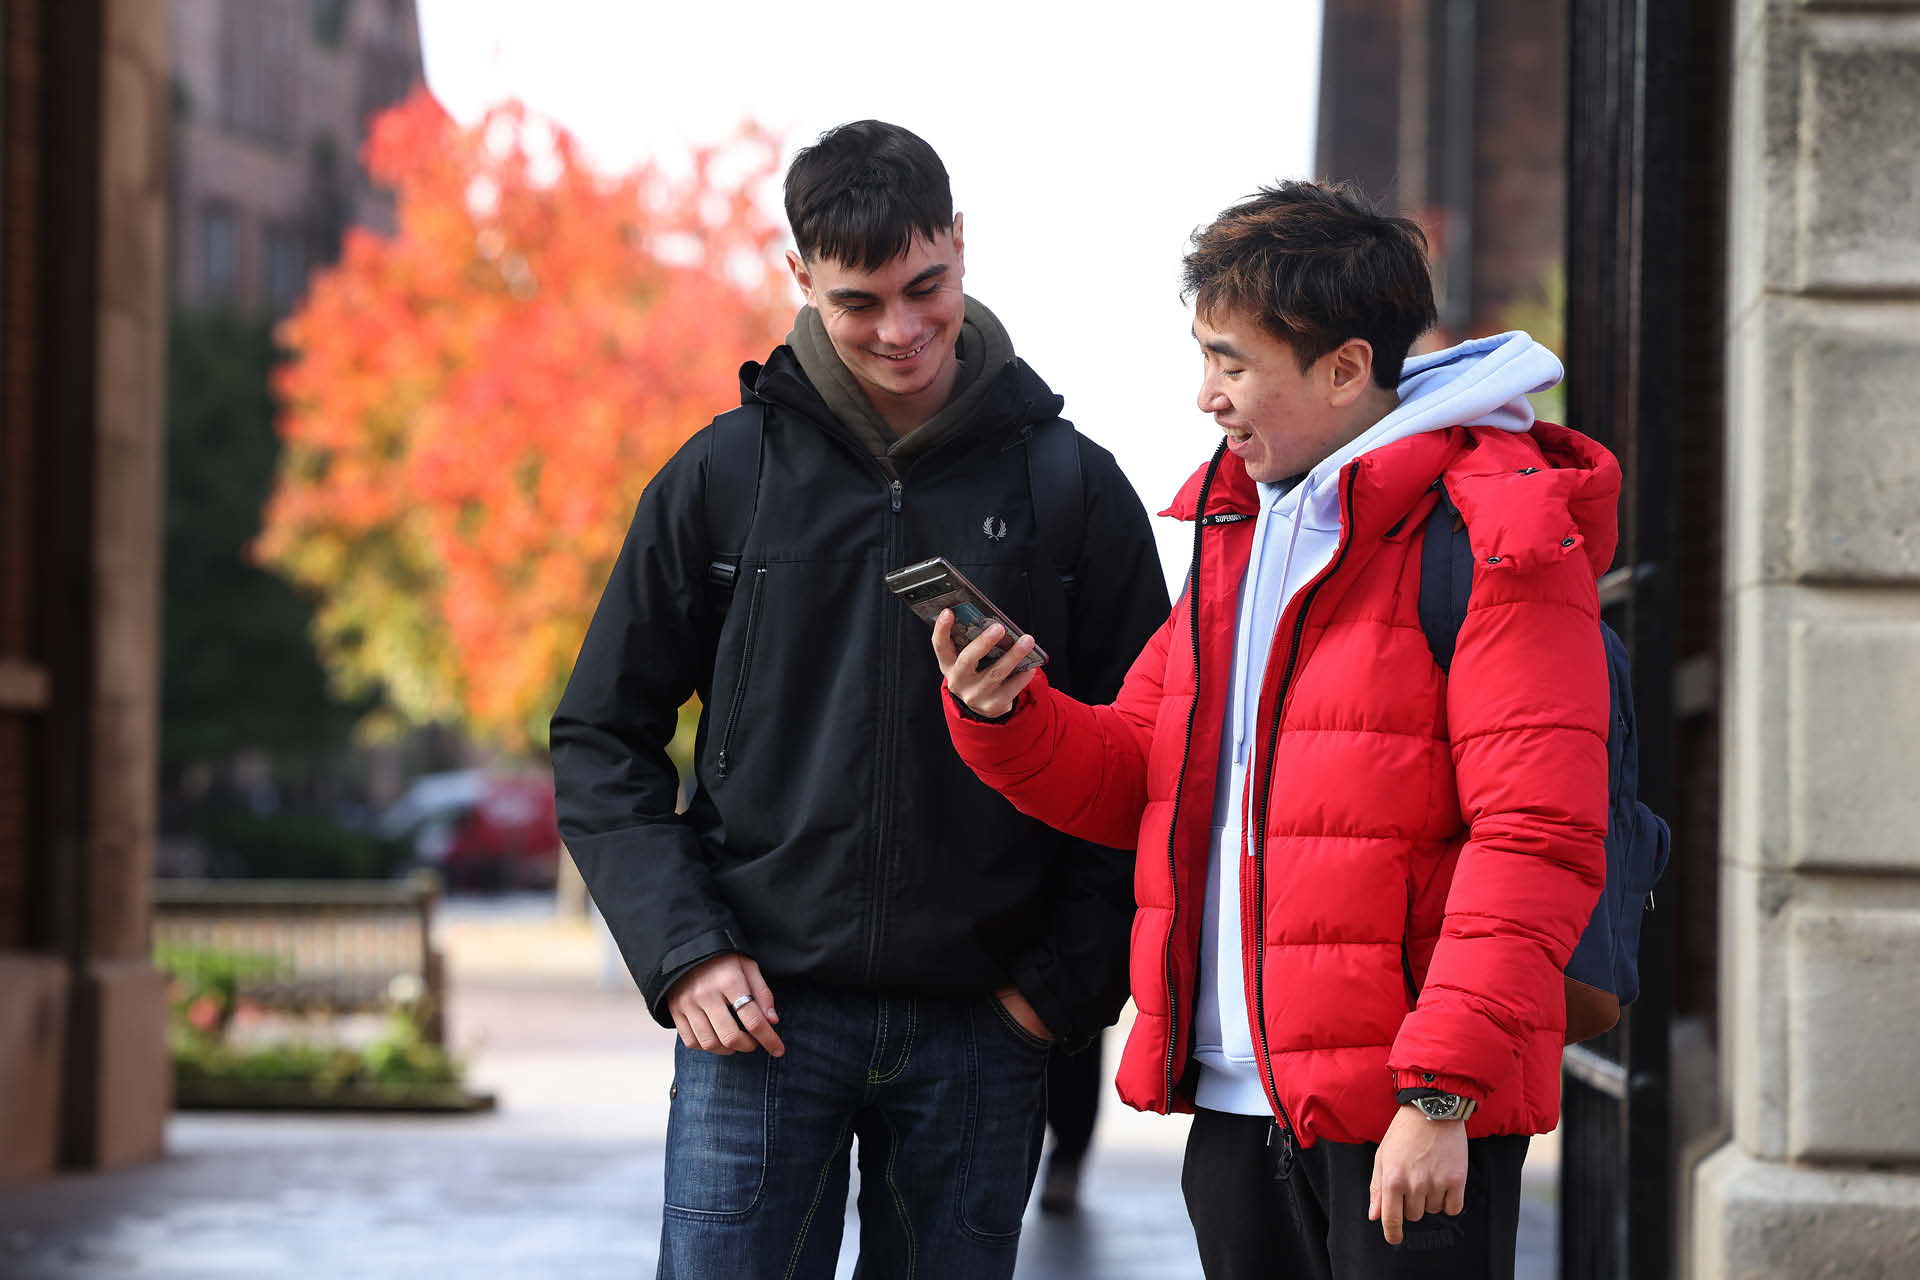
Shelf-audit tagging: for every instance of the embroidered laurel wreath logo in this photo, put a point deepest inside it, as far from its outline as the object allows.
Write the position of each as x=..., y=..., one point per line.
x=994, y=527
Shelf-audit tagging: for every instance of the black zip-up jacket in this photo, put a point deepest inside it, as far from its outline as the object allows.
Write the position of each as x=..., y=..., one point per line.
x=844, y=841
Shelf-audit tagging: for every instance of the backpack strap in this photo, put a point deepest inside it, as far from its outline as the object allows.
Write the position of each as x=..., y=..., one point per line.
x=1603, y=972
x=1446, y=577
x=1059, y=498
x=733, y=488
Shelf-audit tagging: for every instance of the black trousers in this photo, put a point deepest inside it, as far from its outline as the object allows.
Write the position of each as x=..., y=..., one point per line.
x=1074, y=1085
x=1263, y=1209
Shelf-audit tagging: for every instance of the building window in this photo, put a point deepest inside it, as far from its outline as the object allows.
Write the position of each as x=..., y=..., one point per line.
x=389, y=63
x=326, y=203
x=286, y=268
x=219, y=253
x=329, y=21
x=257, y=69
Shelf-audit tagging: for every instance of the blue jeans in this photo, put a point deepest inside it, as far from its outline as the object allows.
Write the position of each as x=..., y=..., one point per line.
x=947, y=1097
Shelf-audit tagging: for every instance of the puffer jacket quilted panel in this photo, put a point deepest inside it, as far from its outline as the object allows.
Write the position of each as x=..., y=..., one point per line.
x=1431, y=847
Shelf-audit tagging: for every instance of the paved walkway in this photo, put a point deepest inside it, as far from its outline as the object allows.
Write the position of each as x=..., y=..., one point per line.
x=563, y=1180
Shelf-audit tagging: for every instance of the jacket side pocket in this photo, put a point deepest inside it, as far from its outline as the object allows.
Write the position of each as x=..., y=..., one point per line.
x=723, y=763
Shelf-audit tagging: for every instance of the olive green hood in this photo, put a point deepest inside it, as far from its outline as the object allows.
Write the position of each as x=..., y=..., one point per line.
x=984, y=347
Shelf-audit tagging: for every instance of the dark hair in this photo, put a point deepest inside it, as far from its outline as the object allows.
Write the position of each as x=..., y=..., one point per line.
x=1317, y=265
x=860, y=193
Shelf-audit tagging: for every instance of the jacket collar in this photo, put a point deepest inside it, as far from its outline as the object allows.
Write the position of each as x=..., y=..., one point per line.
x=1233, y=491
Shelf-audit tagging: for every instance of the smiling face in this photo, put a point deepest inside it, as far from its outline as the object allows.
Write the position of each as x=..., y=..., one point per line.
x=895, y=327
x=1282, y=420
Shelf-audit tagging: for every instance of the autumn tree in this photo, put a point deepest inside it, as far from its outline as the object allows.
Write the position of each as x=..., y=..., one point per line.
x=474, y=404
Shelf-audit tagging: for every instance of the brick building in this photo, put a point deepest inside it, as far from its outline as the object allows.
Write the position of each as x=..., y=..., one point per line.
x=244, y=119
x=83, y=94
x=1456, y=113
x=271, y=103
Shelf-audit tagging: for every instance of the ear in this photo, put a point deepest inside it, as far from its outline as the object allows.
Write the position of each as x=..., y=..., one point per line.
x=801, y=276
x=1350, y=370
x=959, y=248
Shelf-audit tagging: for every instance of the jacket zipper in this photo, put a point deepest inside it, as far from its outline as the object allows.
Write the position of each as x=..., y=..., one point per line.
x=725, y=761
x=1259, y=833
x=1180, y=785
x=883, y=772
x=890, y=676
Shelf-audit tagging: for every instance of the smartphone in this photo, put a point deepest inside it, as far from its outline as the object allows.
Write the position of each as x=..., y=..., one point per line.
x=933, y=585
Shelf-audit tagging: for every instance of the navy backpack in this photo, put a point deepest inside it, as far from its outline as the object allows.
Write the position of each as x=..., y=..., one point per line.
x=1604, y=973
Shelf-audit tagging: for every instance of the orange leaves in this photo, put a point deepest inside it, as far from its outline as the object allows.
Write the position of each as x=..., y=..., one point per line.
x=473, y=406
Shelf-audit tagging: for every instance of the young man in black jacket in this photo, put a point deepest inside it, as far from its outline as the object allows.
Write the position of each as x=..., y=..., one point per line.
x=852, y=935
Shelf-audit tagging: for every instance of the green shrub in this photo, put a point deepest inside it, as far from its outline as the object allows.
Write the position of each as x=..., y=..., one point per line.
x=201, y=1006
x=292, y=846
x=206, y=983
x=399, y=1057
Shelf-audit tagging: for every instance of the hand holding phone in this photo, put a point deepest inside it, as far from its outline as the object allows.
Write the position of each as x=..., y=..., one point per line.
x=984, y=657
x=986, y=685
x=933, y=586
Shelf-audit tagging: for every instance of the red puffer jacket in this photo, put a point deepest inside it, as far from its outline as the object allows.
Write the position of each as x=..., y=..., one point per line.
x=1430, y=849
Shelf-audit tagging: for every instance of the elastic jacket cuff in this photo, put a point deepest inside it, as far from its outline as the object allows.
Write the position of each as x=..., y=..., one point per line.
x=1436, y=1082
x=675, y=964
x=968, y=713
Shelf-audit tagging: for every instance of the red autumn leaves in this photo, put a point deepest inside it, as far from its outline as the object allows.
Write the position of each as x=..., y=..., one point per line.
x=473, y=406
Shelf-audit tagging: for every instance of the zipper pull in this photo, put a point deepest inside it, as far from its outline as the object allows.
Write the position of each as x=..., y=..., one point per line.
x=723, y=763
x=1282, y=1159
x=894, y=493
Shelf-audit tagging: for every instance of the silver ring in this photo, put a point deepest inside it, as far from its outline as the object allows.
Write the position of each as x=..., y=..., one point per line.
x=741, y=1002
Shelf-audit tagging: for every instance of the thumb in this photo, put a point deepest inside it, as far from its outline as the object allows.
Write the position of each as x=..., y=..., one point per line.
x=762, y=994
x=944, y=651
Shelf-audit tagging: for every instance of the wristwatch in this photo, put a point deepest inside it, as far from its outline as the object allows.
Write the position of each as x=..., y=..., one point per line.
x=1435, y=1105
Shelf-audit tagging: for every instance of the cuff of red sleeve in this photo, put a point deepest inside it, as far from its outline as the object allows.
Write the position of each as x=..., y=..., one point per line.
x=1439, y=1081
x=968, y=713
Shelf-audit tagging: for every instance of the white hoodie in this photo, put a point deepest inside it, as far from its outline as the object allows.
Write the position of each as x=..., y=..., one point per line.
x=1483, y=383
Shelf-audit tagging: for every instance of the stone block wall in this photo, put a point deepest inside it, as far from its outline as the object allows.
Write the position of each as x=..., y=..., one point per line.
x=131, y=1086
x=1821, y=848
x=84, y=1076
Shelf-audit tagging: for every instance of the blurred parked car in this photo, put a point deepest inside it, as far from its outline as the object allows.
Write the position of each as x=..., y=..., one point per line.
x=482, y=828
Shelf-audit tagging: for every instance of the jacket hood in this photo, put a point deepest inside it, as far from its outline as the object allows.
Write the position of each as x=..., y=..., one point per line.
x=1012, y=397
x=984, y=346
x=1546, y=494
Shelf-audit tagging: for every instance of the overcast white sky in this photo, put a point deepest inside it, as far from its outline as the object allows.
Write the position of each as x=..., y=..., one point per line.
x=1083, y=148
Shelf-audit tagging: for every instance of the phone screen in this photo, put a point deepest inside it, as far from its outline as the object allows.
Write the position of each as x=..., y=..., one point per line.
x=933, y=585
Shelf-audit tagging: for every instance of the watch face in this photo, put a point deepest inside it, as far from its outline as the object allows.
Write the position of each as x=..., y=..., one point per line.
x=1444, y=1107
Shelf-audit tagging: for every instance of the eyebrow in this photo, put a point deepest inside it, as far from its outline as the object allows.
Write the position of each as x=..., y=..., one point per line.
x=1219, y=347
x=861, y=295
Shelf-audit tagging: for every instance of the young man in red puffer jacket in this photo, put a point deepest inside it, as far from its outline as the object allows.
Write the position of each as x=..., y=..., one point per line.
x=1358, y=877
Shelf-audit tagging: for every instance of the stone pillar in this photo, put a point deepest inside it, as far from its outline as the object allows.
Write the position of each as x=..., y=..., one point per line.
x=1821, y=875
x=125, y=995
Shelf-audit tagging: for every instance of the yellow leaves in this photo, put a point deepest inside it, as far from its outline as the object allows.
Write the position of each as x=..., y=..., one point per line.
x=474, y=405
